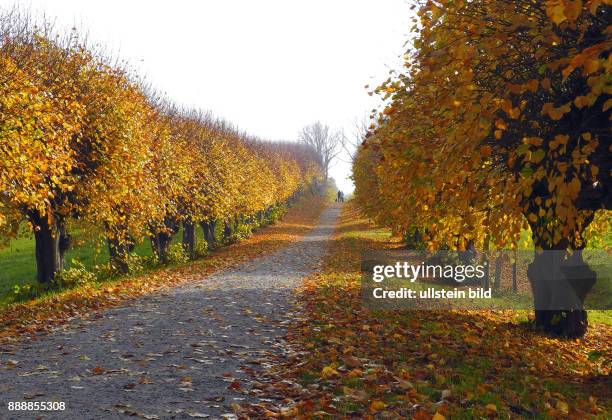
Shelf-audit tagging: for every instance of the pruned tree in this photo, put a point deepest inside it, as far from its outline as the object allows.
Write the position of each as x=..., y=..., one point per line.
x=82, y=138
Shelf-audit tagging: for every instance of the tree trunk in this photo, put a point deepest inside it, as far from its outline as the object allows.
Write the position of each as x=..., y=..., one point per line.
x=227, y=229
x=560, y=283
x=295, y=197
x=160, y=239
x=208, y=229
x=65, y=241
x=120, y=244
x=189, y=238
x=498, y=271
x=485, y=282
x=325, y=180
x=118, y=252
x=160, y=242
x=514, y=263
x=49, y=255
x=212, y=227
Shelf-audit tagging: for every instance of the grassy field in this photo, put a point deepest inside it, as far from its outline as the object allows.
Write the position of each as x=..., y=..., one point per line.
x=18, y=263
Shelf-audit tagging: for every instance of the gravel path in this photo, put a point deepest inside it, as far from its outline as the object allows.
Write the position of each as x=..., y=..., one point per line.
x=178, y=354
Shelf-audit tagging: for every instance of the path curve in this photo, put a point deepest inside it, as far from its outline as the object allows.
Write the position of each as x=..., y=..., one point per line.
x=174, y=354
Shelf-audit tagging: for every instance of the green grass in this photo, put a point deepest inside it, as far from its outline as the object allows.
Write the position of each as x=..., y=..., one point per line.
x=18, y=263
x=600, y=317
x=88, y=246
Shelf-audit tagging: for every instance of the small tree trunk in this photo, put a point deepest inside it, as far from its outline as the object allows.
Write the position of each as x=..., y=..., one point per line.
x=208, y=229
x=485, y=279
x=64, y=244
x=212, y=228
x=155, y=246
x=160, y=242
x=189, y=238
x=227, y=229
x=295, y=197
x=49, y=256
x=120, y=244
x=514, y=263
x=498, y=272
x=118, y=252
x=160, y=239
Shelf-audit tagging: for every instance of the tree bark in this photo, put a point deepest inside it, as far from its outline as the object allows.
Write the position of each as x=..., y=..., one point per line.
x=208, y=229
x=118, y=252
x=161, y=238
x=212, y=227
x=65, y=242
x=189, y=238
x=486, y=280
x=160, y=242
x=498, y=271
x=49, y=256
x=514, y=263
x=560, y=283
x=227, y=229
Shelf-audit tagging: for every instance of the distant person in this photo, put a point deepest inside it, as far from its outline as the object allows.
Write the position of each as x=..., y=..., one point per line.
x=338, y=196
x=342, y=196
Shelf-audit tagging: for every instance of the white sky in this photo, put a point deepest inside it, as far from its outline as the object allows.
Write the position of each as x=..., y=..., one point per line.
x=269, y=66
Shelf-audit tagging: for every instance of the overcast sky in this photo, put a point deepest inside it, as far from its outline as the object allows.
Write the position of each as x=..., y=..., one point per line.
x=269, y=66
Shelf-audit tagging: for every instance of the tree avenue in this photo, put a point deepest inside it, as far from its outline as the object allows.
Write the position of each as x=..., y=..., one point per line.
x=82, y=138
x=500, y=121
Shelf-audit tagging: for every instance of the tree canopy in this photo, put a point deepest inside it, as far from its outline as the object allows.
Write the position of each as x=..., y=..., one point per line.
x=500, y=120
x=81, y=136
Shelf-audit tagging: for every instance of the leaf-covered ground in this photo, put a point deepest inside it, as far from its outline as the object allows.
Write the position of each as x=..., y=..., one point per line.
x=184, y=352
x=346, y=361
x=50, y=311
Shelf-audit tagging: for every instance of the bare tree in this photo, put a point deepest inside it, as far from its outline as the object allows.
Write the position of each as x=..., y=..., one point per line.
x=326, y=144
x=361, y=128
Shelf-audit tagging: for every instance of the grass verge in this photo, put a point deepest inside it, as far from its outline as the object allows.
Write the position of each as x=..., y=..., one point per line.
x=347, y=361
x=55, y=308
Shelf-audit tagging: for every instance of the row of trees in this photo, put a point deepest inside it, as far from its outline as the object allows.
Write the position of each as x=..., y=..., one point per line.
x=499, y=121
x=81, y=137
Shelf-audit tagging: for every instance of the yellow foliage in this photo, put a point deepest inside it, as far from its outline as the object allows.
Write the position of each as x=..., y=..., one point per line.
x=516, y=150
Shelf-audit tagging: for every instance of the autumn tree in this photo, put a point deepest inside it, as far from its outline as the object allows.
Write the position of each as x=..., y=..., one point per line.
x=501, y=120
x=41, y=116
x=81, y=137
